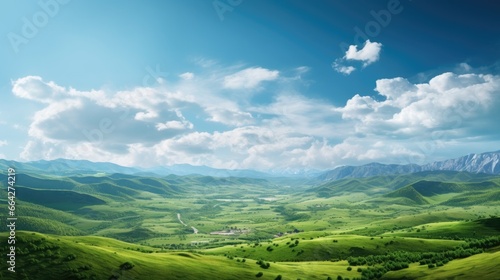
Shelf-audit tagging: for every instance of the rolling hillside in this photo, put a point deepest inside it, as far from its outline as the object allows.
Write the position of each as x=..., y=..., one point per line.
x=55, y=257
x=428, y=182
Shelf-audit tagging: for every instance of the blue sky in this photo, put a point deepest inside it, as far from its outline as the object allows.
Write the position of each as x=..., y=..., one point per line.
x=249, y=84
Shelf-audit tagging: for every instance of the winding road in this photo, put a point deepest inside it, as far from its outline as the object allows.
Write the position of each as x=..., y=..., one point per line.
x=195, y=231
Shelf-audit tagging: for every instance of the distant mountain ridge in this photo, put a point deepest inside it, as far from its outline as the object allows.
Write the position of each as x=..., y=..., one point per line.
x=488, y=163
x=67, y=167
x=79, y=167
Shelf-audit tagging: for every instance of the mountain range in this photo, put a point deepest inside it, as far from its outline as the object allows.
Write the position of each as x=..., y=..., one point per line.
x=488, y=163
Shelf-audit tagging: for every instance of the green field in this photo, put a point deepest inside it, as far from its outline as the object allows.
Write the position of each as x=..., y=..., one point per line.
x=201, y=227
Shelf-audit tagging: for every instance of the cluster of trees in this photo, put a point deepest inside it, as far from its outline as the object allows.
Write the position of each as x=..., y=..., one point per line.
x=291, y=215
x=484, y=243
x=296, y=243
x=263, y=264
x=38, y=254
x=380, y=264
x=126, y=266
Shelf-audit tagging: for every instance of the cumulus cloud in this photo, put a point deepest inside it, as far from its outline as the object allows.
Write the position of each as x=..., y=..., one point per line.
x=369, y=54
x=447, y=102
x=34, y=88
x=197, y=122
x=249, y=78
x=3, y=143
x=174, y=125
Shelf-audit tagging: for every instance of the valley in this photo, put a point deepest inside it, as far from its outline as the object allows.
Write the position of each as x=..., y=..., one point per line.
x=195, y=225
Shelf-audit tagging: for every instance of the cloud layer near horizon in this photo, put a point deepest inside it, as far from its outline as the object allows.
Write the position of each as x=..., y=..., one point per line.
x=211, y=118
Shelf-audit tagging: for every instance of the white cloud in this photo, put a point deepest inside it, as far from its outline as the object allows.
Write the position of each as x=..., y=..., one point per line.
x=187, y=76
x=3, y=143
x=302, y=69
x=249, y=78
x=447, y=102
x=197, y=122
x=347, y=70
x=369, y=54
x=143, y=116
x=174, y=125
x=465, y=66
x=33, y=88
x=229, y=117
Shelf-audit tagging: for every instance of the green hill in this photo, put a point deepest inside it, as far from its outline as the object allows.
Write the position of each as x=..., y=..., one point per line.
x=43, y=256
x=385, y=184
x=409, y=194
x=330, y=247
x=475, y=198
x=481, y=266
x=58, y=199
x=431, y=188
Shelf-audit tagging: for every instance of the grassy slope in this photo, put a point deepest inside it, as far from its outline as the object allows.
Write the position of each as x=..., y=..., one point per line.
x=462, y=229
x=409, y=193
x=58, y=199
x=386, y=184
x=324, y=248
x=100, y=258
x=482, y=266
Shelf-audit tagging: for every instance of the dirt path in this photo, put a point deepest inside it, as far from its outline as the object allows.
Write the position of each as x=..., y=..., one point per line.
x=179, y=218
x=195, y=231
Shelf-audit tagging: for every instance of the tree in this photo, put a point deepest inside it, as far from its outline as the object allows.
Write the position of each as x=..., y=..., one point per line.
x=126, y=266
x=349, y=268
x=259, y=274
x=279, y=277
x=70, y=257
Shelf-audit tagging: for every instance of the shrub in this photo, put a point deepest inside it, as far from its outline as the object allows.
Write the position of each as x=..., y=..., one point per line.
x=259, y=274
x=126, y=266
x=70, y=257
x=349, y=268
